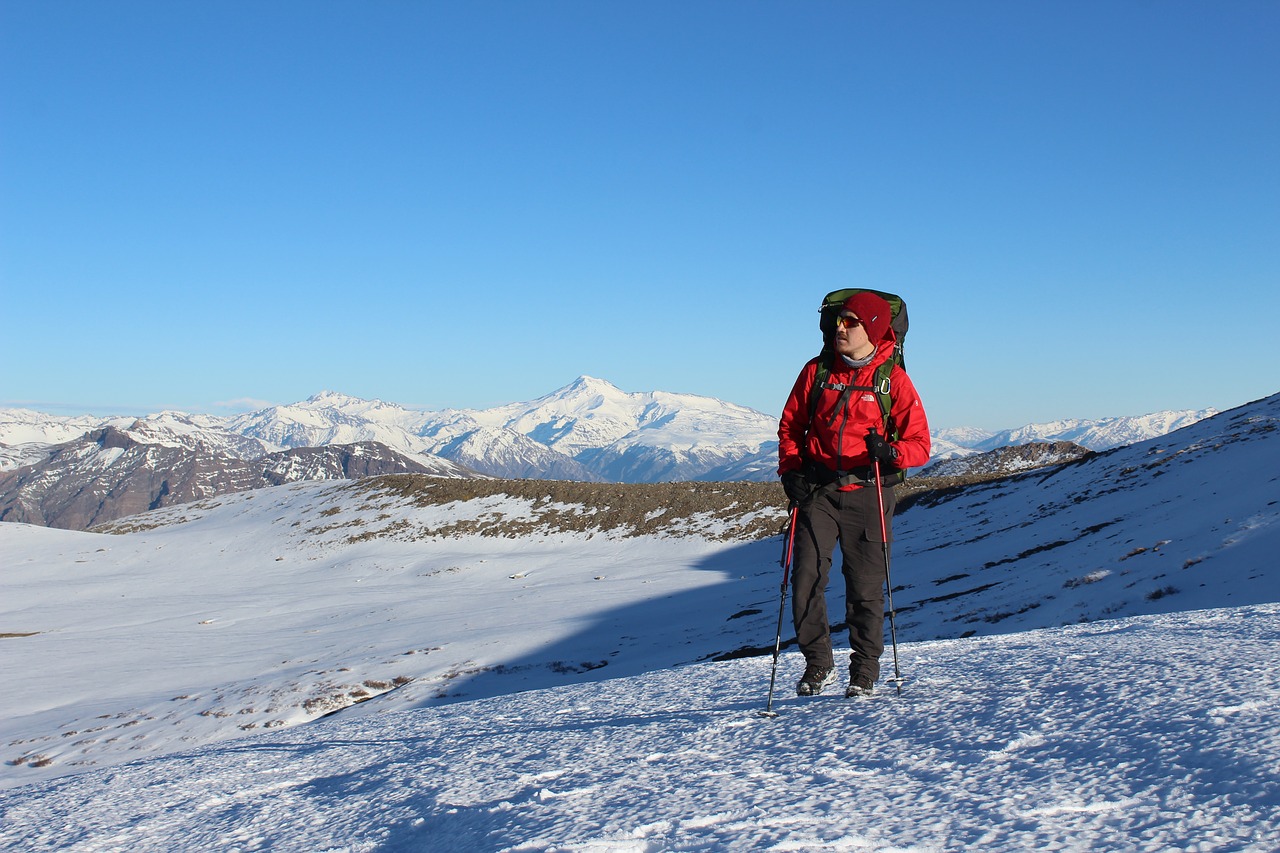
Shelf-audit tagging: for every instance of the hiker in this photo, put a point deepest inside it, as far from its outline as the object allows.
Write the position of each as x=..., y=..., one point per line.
x=829, y=433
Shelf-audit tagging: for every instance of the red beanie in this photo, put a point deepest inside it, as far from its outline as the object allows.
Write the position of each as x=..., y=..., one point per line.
x=873, y=311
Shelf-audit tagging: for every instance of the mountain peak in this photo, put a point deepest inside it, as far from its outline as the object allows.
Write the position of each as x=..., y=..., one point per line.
x=582, y=395
x=591, y=383
x=334, y=398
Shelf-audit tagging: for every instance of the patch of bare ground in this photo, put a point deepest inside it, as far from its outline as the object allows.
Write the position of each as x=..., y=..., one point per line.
x=736, y=510
x=723, y=510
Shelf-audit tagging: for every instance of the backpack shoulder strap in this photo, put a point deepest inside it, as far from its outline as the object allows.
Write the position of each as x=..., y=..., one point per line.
x=883, y=392
x=882, y=389
x=820, y=383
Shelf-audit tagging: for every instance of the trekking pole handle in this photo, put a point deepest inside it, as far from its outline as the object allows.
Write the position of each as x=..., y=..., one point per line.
x=788, y=549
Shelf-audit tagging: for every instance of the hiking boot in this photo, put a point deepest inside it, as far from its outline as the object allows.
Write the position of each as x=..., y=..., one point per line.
x=814, y=679
x=859, y=687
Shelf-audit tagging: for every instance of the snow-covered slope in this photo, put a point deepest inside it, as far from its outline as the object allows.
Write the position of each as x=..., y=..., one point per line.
x=1188, y=520
x=266, y=609
x=640, y=620
x=1148, y=739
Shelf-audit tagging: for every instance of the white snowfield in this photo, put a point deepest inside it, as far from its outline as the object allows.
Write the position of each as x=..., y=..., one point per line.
x=1152, y=733
x=327, y=666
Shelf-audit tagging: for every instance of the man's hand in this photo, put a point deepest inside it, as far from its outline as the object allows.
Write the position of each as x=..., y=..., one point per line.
x=797, y=486
x=881, y=450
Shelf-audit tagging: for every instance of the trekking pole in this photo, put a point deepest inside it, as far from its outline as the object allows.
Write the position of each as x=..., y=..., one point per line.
x=787, y=546
x=884, y=537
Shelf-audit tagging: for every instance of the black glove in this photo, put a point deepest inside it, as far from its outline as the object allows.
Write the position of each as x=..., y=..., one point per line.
x=881, y=450
x=797, y=486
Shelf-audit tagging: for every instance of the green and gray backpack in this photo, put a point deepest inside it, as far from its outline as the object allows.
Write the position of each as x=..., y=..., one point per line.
x=828, y=312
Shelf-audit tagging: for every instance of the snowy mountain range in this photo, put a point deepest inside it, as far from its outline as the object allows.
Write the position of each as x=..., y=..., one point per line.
x=588, y=430
x=420, y=663
x=62, y=472
x=1100, y=434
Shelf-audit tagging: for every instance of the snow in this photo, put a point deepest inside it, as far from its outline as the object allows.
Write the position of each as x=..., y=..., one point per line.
x=1101, y=434
x=587, y=430
x=1138, y=734
x=24, y=426
x=258, y=611
x=321, y=666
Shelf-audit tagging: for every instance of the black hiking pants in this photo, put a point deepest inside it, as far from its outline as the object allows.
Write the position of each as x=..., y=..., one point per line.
x=852, y=519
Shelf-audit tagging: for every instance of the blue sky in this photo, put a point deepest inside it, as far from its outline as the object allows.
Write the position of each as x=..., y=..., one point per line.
x=213, y=206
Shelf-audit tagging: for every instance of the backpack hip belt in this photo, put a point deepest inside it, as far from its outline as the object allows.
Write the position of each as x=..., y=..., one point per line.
x=862, y=476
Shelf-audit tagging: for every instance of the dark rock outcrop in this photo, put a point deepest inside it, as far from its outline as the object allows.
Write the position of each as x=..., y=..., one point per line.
x=108, y=474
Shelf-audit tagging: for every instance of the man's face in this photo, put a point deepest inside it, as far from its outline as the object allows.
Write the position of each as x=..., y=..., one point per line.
x=851, y=337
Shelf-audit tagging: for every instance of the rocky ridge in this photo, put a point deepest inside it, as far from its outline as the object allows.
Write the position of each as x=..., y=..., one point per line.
x=112, y=473
x=1008, y=460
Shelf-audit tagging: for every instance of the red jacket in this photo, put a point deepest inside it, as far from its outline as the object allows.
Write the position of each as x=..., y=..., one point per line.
x=836, y=438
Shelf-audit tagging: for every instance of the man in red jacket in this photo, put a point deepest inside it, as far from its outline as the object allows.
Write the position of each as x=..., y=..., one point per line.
x=825, y=452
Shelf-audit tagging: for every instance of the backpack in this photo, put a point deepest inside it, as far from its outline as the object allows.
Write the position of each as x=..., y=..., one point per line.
x=827, y=313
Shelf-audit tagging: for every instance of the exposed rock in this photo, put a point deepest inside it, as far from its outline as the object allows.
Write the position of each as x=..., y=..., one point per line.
x=109, y=474
x=1008, y=460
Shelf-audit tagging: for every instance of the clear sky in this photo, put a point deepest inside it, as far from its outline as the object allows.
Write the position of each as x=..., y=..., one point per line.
x=213, y=206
